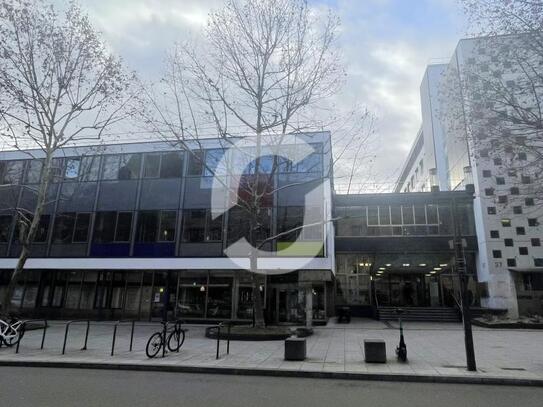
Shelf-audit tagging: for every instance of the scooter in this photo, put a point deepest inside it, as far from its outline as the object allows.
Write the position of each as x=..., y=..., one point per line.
x=401, y=350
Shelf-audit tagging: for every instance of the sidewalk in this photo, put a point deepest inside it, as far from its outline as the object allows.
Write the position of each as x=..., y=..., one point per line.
x=435, y=352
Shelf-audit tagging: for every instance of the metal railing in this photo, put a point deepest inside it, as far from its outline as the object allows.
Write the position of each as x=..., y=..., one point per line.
x=23, y=331
x=133, y=325
x=66, y=333
x=229, y=327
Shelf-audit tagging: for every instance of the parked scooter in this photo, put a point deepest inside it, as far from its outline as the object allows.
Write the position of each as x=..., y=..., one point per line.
x=401, y=350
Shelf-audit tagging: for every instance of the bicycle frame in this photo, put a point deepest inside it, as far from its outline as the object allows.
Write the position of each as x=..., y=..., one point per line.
x=9, y=330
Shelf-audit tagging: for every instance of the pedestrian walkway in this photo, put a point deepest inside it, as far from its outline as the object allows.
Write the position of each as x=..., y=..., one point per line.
x=434, y=349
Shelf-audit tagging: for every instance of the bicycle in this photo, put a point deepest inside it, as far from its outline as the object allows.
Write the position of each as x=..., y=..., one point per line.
x=175, y=339
x=11, y=332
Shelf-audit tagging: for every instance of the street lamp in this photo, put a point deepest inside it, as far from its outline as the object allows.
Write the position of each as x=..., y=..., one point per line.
x=458, y=244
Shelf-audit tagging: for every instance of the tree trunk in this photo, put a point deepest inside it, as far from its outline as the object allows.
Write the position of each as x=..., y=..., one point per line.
x=6, y=304
x=257, y=302
x=309, y=307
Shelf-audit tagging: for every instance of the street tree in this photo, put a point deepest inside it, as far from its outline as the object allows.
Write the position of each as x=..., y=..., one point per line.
x=494, y=96
x=263, y=70
x=59, y=86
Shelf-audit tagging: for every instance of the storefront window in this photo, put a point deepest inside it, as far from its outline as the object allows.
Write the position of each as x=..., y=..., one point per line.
x=192, y=295
x=219, y=301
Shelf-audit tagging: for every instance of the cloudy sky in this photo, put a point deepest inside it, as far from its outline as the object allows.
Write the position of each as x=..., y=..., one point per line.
x=386, y=44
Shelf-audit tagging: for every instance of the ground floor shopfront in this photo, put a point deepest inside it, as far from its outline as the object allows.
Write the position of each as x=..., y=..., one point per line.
x=181, y=294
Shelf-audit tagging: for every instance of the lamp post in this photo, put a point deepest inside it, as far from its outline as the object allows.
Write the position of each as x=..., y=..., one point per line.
x=458, y=244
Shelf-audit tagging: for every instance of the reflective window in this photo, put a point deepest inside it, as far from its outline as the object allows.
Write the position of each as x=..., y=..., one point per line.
x=12, y=172
x=151, y=165
x=90, y=167
x=111, y=167
x=5, y=226
x=33, y=171
x=198, y=226
x=172, y=165
x=71, y=172
x=129, y=166
x=112, y=227
x=64, y=228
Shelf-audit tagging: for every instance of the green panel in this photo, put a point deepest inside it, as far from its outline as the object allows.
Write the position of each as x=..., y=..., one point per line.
x=289, y=249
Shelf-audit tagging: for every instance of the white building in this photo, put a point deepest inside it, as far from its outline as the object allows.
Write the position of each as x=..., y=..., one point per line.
x=507, y=206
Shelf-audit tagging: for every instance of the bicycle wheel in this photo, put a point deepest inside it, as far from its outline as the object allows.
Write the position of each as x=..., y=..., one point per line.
x=12, y=336
x=175, y=340
x=154, y=344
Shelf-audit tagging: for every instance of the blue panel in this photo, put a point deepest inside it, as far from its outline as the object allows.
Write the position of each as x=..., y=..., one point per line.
x=154, y=250
x=110, y=249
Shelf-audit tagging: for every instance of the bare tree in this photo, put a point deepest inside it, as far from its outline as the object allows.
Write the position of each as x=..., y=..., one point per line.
x=494, y=97
x=59, y=86
x=262, y=71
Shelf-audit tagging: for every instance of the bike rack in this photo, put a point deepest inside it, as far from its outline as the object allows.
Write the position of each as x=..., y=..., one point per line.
x=133, y=323
x=23, y=330
x=229, y=326
x=87, y=321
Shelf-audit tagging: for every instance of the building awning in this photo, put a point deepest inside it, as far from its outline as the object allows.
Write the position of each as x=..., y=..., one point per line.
x=527, y=269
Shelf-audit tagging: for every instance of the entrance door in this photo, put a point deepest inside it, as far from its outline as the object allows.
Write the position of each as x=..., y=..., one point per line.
x=290, y=305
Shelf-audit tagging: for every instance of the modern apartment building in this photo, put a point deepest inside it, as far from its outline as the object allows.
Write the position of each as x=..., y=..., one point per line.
x=507, y=205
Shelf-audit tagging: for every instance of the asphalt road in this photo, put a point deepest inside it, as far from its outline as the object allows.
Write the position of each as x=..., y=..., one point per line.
x=42, y=387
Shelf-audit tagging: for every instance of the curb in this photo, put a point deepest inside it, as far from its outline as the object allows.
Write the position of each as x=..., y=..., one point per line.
x=391, y=377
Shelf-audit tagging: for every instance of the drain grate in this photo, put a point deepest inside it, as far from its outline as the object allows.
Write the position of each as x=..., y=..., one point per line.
x=513, y=368
x=454, y=366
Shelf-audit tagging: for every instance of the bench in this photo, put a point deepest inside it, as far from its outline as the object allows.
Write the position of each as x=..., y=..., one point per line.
x=375, y=351
x=295, y=348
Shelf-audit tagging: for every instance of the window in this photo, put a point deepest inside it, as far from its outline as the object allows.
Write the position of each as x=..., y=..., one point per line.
x=497, y=161
x=521, y=230
x=198, y=226
x=502, y=199
x=489, y=191
x=523, y=251
x=508, y=242
x=196, y=160
x=529, y=201
x=90, y=168
x=494, y=234
x=497, y=254
x=166, y=230
x=522, y=156
x=506, y=223
x=124, y=226
x=172, y=165
x=512, y=172
x=12, y=172
x=82, y=225
x=71, y=171
x=536, y=241
x=42, y=230
x=129, y=166
x=407, y=213
x=123, y=167
x=487, y=173
x=5, y=226
x=514, y=191
x=156, y=226
x=517, y=210
x=500, y=180
x=511, y=263
x=71, y=227
x=533, y=222
x=525, y=179
x=33, y=171
x=112, y=227
x=151, y=165
x=491, y=210
x=64, y=228
x=484, y=153
x=538, y=262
